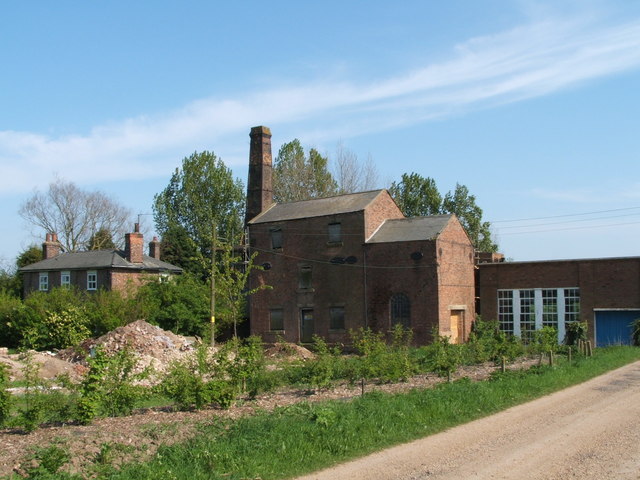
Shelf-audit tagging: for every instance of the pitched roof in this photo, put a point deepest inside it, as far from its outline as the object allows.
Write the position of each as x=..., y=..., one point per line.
x=410, y=229
x=99, y=259
x=317, y=207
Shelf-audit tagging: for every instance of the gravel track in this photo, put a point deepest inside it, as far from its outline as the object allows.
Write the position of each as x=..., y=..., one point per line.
x=589, y=431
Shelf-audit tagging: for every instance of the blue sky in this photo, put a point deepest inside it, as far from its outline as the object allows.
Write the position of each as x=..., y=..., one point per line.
x=533, y=105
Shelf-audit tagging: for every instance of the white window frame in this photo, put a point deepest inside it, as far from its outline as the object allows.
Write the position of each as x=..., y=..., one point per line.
x=65, y=278
x=92, y=280
x=43, y=282
x=564, y=310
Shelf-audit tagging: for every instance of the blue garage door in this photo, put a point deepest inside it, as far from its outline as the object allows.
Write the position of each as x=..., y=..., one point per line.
x=614, y=327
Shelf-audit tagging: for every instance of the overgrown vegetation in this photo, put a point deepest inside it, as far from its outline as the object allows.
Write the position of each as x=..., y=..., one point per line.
x=320, y=434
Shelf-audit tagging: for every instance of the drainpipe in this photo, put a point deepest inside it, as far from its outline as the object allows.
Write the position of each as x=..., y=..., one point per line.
x=364, y=279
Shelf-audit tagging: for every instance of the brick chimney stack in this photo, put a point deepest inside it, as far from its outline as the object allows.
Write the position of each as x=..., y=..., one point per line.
x=259, y=185
x=51, y=246
x=154, y=248
x=133, y=245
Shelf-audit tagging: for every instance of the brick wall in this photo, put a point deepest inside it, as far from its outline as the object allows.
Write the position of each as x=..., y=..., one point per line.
x=603, y=283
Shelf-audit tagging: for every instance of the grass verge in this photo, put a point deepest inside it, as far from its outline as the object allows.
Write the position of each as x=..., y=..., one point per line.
x=306, y=437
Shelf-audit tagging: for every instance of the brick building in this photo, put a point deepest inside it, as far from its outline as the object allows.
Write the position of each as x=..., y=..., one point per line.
x=352, y=261
x=525, y=296
x=92, y=270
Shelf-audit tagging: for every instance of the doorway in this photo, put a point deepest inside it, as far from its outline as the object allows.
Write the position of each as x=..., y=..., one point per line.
x=306, y=325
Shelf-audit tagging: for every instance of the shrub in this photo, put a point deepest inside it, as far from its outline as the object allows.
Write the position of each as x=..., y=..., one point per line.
x=545, y=340
x=443, y=357
x=6, y=399
x=635, y=332
x=575, y=331
x=110, y=387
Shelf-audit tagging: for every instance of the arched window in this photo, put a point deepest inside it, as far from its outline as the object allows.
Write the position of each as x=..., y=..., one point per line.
x=400, y=310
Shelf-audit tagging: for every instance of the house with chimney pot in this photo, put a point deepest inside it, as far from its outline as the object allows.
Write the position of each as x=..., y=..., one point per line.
x=109, y=269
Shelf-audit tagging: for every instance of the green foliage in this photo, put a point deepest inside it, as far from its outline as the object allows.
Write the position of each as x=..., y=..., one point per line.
x=178, y=248
x=6, y=400
x=299, y=176
x=488, y=343
x=110, y=309
x=102, y=239
x=10, y=331
x=45, y=462
x=34, y=399
x=464, y=206
x=635, y=332
x=545, y=340
x=321, y=370
x=416, y=195
x=181, y=305
x=575, y=331
x=201, y=194
x=377, y=359
x=444, y=357
x=111, y=386
x=247, y=361
x=31, y=254
x=199, y=380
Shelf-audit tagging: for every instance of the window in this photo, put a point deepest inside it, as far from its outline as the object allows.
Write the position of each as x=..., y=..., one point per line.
x=400, y=310
x=276, y=320
x=571, y=305
x=521, y=312
x=304, y=281
x=335, y=233
x=505, y=310
x=527, y=315
x=43, y=283
x=92, y=280
x=65, y=279
x=276, y=238
x=336, y=318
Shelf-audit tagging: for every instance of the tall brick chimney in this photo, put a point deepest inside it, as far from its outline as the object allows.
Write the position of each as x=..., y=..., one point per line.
x=133, y=245
x=154, y=248
x=51, y=246
x=259, y=185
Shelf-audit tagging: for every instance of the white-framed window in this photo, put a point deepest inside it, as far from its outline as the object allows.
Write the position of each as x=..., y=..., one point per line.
x=65, y=279
x=43, y=281
x=521, y=312
x=92, y=280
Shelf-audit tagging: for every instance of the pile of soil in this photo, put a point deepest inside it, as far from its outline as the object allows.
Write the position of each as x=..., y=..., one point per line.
x=50, y=366
x=151, y=345
x=288, y=351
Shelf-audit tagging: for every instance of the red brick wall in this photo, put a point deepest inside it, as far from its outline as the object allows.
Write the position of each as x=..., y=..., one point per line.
x=456, y=282
x=603, y=283
x=381, y=209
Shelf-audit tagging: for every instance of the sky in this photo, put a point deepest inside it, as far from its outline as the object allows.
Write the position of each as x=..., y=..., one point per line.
x=533, y=105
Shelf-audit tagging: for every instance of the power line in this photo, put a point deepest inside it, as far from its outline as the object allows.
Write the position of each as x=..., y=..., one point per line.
x=586, y=227
x=565, y=215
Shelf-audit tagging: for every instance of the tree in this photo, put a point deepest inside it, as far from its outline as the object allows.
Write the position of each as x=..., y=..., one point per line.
x=416, y=195
x=232, y=274
x=464, y=206
x=101, y=240
x=297, y=176
x=351, y=174
x=419, y=196
x=10, y=278
x=75, y=214
x=201, y=194
x=179, y=249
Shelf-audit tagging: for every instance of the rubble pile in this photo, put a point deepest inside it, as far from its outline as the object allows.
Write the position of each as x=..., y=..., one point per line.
x=288, y=351
x=152, y=345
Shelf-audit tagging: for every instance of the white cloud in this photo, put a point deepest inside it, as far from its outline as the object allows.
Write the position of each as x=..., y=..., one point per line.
x=527, y=61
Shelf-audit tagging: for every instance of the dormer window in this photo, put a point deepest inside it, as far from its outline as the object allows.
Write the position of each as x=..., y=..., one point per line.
x=276, y=238
x=335, y=233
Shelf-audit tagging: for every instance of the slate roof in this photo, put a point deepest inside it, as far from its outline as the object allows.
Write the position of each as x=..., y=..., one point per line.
x=317, y=207
x=410, y=229
x=99, y=259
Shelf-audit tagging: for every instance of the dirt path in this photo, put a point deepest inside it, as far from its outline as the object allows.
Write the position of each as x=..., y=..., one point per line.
x=590, y=431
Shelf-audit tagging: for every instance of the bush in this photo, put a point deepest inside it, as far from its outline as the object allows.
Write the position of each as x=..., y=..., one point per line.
x=110, y=387
x=442, y=356
x=575, y=331
x=6, y=399
x=545, y=340
x=10, y=329
x=635, y=332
